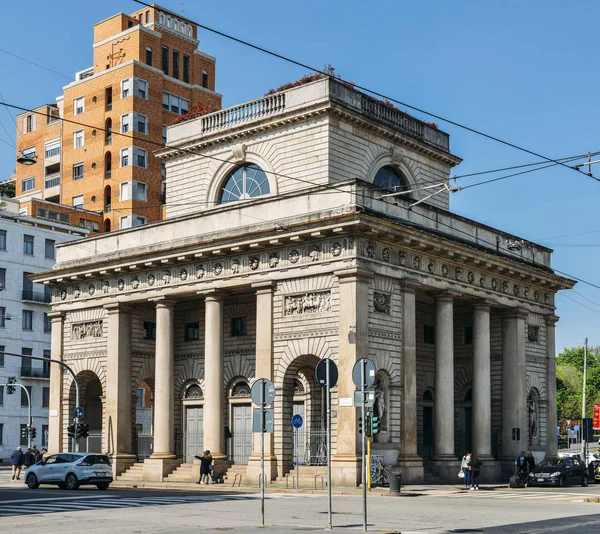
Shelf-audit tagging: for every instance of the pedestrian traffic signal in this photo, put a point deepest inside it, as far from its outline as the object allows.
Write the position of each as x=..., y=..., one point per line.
x=375, y=421
x=71, y=431
x=11, y=389
x=368, y=426
x=360, y=425
x=85, y=430
x=32, y=432
x=25, y=431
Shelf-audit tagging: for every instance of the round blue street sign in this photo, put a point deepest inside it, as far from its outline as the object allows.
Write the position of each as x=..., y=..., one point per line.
x=297, y=420
x=576, y=428
x=78, y=412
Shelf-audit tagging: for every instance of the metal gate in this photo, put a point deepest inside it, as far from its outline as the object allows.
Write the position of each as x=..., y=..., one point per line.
x=93, y=443
x=194, y=436
x=300, y=439
x=242, y=433
x=316, y=447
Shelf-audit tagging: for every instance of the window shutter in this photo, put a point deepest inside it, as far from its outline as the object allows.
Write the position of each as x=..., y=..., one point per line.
x=24, y=127
x=33, y=122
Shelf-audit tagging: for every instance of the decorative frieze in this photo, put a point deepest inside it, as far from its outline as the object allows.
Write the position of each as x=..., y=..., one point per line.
x=307, y=333
x=85, y=330
x=308, y=303
x=387, y=334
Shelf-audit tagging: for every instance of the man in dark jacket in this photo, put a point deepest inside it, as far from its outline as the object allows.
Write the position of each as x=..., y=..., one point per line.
x=16, y=459
x=475, y=465
x=28, y=459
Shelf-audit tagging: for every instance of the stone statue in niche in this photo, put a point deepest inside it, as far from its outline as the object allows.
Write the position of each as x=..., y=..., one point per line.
x=533, y=426
x=380, y=406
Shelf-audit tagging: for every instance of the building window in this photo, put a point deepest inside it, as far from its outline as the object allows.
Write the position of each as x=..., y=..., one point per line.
x=141, y=88
x=90, y=225
x=108, y=98
x=192, y=331
x=2, y=278
x=139, y=398
x=137, y=121
x=107, y=165
x=247, y=181
x=24, y=398
x=2, y=239
x=149, y=330
x=391, y=179
x=1, y=403
x=78, y=201
x=2, y=320
x=129, y=221
x=140, y=157
x=2, y=355
x=175, y=104
x=125, y=88
x=125, y=123
x=47, y=324
x=429, y=334
x=45, y=397
x=78, y=106
x=28, y=320
x=46, y=365
x=164, y=134
x=165, y=60
x=175, y=64
x=52, y=148
x=78, y=139
x=134, y=190
x=78, y=171
x=148, y=56
x=239, y=326
x=29, y=123
x=147, y=17
x=205, y=79
x=44, y=435
x=28, y=245
x=163, y=170
x=468, y=335
x=28, y=185
x=49, y=249
x=186, y=68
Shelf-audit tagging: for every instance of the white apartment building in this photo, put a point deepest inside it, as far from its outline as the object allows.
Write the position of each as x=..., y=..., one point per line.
x=27, y=245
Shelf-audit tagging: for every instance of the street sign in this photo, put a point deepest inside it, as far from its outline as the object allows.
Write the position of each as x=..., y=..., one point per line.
x=596, y=416
x=568, y=422
x=576, y=428
x=516, y=434
x=269, y=426
x=369, y=373
x=369, y=400
x=568, y=428
x=321, y=372
x=79, y=412
x=297, y=420
x=262, y=384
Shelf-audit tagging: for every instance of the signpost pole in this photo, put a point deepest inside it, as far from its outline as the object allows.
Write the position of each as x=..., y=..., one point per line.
x=363, y=438
x=328, y=429
x=297, y=465
x=262, y=453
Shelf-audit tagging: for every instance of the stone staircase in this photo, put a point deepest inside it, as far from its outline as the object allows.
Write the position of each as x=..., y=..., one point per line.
x=307, y=475
x=241, y=479
x=134, y=473
x=184, y=473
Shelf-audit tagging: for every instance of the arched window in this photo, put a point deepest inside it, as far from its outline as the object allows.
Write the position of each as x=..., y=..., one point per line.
x=108, y=131
x=193, y=391
x=107, y=199
x=390, y=178
x=428, y=395
x=107, y=165
x=107, y=225
x=241, y=389
x=205, y=79
x=247, y=181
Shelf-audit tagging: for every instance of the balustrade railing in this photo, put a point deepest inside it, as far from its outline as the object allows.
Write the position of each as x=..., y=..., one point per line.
x=37, y=296
x=52, y=181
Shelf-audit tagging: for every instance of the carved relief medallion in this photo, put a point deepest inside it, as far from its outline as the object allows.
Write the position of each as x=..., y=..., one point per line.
x=217, y=269
x=308, y=303
x=516, y=290
x=183, y=274
x=273, y=260
x=458, y=274
x=235, y=266
x=417, y=262
x=76, y=292
x=314, y=254
x=402, y=258
x=336, y=249
x=83, y=330
x=494, y=284
x=431, y=267
x=445, y=270
x=91, y=289
x=167, y=277
x=294, y=256
x=135, y=283
x=382, y=302
x=105, y=287
x=505, y=287
x=386, y=254
x=254, y=262
x=121, y=284
x=470, y=277
x=536, y=296
x=199, y=271
x=150, y=279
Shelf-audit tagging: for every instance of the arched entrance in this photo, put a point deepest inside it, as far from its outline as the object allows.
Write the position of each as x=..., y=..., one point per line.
x=302, y=394
x=144, y=419
x=90, y=399
x=193, y=420
x=240, y=425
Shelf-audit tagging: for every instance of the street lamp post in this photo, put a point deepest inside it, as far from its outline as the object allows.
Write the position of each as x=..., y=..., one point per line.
x=29, y=420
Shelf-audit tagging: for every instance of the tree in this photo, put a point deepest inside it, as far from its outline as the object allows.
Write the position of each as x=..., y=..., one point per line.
x=7, y=189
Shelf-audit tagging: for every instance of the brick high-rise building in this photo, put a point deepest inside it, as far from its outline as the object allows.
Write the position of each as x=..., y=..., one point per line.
x=147, y=71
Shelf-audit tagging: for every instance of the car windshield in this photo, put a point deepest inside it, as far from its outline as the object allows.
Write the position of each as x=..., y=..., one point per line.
x=552, y=462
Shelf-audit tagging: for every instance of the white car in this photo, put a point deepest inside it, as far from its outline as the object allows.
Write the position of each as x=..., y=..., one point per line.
x=69, y=470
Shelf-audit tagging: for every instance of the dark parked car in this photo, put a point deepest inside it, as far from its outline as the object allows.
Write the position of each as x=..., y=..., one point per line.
x=559, y=472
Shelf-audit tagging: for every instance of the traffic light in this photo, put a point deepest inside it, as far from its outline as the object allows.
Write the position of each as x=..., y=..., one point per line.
x=11, y=389
x=360, y=425
x=25, y=431
x=79, y=431
x=375, y=421
x=368, y=426
x=71, y=431
x=32, y=432
x=85, y=430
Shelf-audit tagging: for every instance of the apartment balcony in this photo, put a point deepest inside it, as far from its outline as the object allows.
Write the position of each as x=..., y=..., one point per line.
x=52, y=185
x=35, y=372
x=36, y=296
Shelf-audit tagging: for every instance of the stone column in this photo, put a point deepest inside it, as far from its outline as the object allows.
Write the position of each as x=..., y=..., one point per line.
x=353, y=334
x=482, y=400
x=514, y=402
x=552, y=417
x=56, y=424
x=444, y=379
x=214, y=390
x=410, y=462
x=264, y=369
x=119, y=392
x=163, y=461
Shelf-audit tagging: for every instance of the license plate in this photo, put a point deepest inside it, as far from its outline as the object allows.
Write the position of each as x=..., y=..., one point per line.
x=540, y=480
x=100, y=473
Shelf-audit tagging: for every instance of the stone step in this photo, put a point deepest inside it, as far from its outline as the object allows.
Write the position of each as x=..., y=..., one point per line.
x=135, y=472
x=183, y=473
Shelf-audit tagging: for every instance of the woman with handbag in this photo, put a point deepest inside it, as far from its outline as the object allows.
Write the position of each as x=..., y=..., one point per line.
x=464, y=466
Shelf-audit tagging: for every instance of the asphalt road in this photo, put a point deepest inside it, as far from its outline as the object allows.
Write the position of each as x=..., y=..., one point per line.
x=446, y=510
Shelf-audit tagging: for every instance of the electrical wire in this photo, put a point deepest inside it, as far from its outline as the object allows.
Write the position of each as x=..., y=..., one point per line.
x=577, y=302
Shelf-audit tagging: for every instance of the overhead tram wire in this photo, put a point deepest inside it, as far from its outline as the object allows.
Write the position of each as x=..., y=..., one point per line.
x=381, y=95
x=577, y=302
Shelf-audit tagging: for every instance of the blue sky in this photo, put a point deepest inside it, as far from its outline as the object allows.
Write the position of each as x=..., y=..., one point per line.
x=525, y=72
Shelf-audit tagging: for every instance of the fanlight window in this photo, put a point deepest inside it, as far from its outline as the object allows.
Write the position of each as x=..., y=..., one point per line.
x=241, y=389
x=193, y=392
x=390, y=178
x=247, y=181
x=298, y=387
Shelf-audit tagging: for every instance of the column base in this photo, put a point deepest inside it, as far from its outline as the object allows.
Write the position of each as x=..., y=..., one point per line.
x=157, y=469
x=120, y=462
x=411, y=467
x=346, y=470
x=491, y=470
x=253, y=469
x=447, y=470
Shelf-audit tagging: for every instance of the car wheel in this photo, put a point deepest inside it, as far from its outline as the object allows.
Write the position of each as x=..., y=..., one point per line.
x=71, y=482
x=32, y=481
x=102, y=485
x=584, y=481
x=562, y=481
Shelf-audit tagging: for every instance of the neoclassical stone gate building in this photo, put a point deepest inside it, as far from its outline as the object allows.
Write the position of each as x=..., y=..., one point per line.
x=279, y=248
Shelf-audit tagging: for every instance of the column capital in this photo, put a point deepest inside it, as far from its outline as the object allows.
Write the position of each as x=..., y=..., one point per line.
x=551, y=320
x=354, y=273
x=516, y=313
x=447, y=295
x=162, y=302
x=117, y=307
x=483, y=305
x=56, y=315
x=263, y=287
x=212, y=294
x=409, y=285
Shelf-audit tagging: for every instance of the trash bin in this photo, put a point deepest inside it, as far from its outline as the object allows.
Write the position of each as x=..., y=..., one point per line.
x=395, y=479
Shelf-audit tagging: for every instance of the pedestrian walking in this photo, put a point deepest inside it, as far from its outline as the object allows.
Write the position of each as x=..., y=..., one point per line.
x=28, y=459
x=16, y=459
x=44, y=453
x=37, y=456
x=205, y=463
x=464, y=466
x=475, y=465
x=530, y=462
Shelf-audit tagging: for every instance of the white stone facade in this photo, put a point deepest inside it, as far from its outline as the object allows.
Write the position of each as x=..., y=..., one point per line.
x=202, y=304
x=16, y=335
